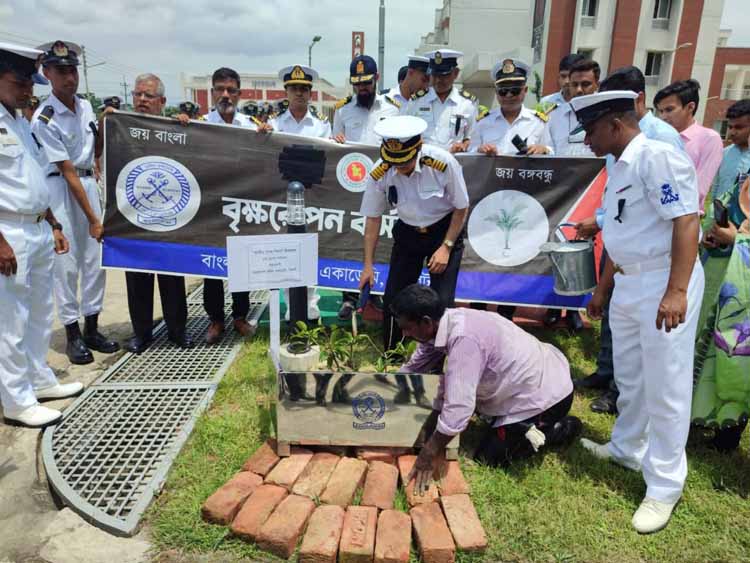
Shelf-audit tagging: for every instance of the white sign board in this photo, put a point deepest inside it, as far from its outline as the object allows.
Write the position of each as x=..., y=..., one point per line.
x=272, y=261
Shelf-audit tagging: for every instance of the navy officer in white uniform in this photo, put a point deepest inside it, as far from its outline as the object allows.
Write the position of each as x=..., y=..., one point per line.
x=411, y=79
x=29, y=237
x=650, y=230
x=425, y=184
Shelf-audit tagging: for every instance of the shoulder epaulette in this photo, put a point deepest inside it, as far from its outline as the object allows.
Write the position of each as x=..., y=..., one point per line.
x=256, y=120
x=438, y=165
x=468, y=95
x=379, y=171
x=384, y=91
x=418, y=94
x=541, y=115
x=342, y=102
x=483, y=112
x=314, y=112
x=201, y=118
x=46, y=115
x=392, y=101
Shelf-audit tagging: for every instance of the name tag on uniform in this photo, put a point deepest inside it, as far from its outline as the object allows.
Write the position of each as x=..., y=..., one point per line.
x=7, y=140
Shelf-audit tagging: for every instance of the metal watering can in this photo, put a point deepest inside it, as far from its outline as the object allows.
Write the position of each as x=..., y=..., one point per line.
x=573, y=264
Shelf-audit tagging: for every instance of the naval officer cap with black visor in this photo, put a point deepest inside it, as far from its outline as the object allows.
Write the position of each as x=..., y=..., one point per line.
x=510, y=72
x=362, y=69
x=418, y=62
x=298, y=75
x=21, y=61
x=402, y=138
x=589, y=109
x=443, y=61
x=60, y=53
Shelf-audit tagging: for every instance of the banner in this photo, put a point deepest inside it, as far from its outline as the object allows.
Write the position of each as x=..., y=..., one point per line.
x=174, y=193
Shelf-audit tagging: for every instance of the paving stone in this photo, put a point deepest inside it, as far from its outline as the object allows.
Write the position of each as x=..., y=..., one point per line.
x=358, y=537
x=321, y=541
x=451, y=480
x=315, y=477
x=387, y=455
x=464, y=523
x=393, y=538
x=380, y=485
x=263, y=460
x=405, y=464
x=288, y=470
x=344, y=482
x=282, y=530
x=222, y=506
x=256, y=510
x=432, y=534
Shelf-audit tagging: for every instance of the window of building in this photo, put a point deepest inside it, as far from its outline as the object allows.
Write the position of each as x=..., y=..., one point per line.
x=587, y=53
x=589, y=8
x=653, y=63
x=662, y=11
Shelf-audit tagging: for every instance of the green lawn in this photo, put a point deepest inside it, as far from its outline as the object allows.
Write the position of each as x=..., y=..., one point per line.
x=564, y=506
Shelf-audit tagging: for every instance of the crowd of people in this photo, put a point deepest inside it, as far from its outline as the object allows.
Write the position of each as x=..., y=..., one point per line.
x=669, y=306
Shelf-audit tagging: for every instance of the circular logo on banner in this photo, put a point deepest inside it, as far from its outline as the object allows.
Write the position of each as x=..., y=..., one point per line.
x=352, y=171
x=369, y=408
x=157, y=193
x=507, y=228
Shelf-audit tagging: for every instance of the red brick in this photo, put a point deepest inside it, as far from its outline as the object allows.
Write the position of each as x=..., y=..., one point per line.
x=256, y=511
x=451, y=480
x=288, y=470
x=282, y=530
x=263, y=460
x=358, y=538
x=321, y=541
x=314, y=478
x=432, y=534
x=393, y=539
x=405, y=464
x=222, y=506
x=380, y=486
x=346, y=479
x=464, y=523
x=387, y=455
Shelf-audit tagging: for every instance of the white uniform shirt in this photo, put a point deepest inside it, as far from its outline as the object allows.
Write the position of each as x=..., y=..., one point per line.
x=239, y=120
x=556, y=98
x=68, y=135
x=357, y=124
x=395, y=94
x=425, y=196
x=658, y=184
x=562, y=120
x=448, y=122
x=22, y=163
x=310, y=125
x=495, y=129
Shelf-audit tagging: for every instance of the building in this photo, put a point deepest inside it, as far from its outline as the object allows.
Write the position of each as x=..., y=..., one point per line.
x=668, y=39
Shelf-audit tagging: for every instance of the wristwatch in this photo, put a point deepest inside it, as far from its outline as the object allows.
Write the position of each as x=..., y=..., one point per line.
x=448, y=242
x=57, y=227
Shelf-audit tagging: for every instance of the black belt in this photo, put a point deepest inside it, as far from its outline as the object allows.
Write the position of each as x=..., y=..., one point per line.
x=441, y=225
x=81, y=173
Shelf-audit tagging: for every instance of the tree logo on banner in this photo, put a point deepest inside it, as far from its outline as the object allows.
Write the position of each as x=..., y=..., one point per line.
x=507, y=228
x=157, y=193
x=352, y=171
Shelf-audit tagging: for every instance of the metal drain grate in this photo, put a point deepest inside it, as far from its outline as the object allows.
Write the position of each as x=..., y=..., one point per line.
x=111, y=453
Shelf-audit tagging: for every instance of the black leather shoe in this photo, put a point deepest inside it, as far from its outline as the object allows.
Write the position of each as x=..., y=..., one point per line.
x=607, y=403
x=340, y=394
x=574, y=321
x=137, y=344
x=76, y=349
x=593, y=381
x=565, y=431
x=346, y=310
x=403, y=397
x=182, y=340
x=552, y=317
x=422, y=401
x=95, y=339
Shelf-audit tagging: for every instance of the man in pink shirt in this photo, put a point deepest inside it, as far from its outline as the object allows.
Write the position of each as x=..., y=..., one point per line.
x=520, y=385
x=677, y=104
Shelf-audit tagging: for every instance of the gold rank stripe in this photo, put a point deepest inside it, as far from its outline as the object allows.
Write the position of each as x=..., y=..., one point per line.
x=379, y=171
x=438, y=165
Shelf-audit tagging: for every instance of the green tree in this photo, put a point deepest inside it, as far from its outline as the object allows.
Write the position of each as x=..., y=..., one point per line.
x=507, y=222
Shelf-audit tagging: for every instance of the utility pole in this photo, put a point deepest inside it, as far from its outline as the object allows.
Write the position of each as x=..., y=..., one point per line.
x=85, y=72
x=381, y=45
x=124, y=90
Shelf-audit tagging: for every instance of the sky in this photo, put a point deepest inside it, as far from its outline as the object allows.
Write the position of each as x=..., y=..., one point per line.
x=167, y=37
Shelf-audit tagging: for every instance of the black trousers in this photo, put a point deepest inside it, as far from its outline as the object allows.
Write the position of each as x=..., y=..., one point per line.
x=213, y=301
x=508, y=443
x=141, y=302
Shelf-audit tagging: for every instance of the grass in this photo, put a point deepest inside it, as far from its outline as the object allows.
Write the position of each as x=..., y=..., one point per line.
x=564, y=506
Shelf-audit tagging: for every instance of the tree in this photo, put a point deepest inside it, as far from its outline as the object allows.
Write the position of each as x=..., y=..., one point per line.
x=507, y=222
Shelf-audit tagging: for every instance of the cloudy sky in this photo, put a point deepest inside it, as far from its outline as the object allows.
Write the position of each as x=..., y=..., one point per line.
x=170, y=36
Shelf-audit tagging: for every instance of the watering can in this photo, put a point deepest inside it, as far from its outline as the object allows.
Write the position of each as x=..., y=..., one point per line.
x=573, y=264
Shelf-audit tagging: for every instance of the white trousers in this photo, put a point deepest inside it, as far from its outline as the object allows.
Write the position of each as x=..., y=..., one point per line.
x=26, y=316
x=81, y=266
x=654, y=374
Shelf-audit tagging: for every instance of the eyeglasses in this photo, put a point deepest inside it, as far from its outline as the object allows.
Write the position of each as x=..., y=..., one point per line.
x=229, y=90
x=144, y=95
x=502, y=92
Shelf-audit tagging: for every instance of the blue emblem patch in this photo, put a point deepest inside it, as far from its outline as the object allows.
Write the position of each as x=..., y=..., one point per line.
x=668, y=196
x=368, y=408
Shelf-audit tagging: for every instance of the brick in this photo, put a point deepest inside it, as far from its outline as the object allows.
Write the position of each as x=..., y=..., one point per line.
x=343, y=484
x=315, y=477
x=405, y=464
x=321, y=541
x=282, y=530
x=288, y=470
x=358, y=537
x=256, y=511
x=451, y=480
x=380, y=485
x=464, y=523
x=263, y=460
x=222, y=506
x=432, y=534
x=386, y=455
x=393, y=538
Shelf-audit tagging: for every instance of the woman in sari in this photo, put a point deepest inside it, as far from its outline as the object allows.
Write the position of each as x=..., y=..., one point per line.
x=722, y=394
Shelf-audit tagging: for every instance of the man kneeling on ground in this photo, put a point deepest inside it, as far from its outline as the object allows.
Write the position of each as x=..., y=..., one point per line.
x=494, y=368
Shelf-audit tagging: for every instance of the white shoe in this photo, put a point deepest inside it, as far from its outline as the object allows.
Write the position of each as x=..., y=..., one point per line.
x=35, y=416
x=652, y=515
x=59, y=391
x=601, y=451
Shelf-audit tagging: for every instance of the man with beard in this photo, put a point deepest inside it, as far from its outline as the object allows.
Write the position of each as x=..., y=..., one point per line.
x=450, y=114
x=65, y=126
x=411, y=79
